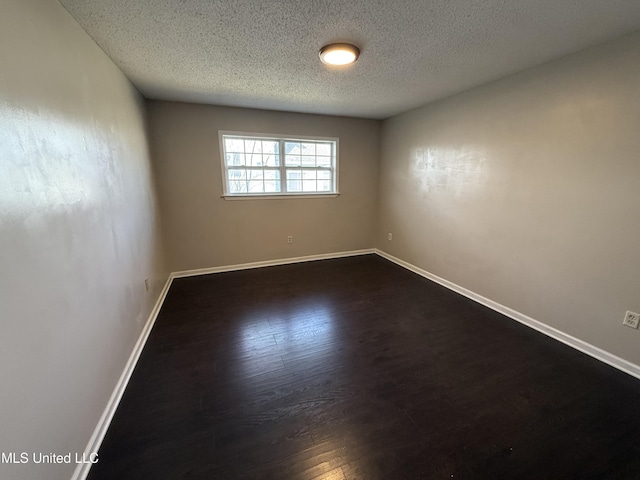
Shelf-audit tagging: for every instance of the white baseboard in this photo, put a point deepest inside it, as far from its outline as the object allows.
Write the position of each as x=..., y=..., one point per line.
x=271, y=263
x=82, y=469
x=591, y=350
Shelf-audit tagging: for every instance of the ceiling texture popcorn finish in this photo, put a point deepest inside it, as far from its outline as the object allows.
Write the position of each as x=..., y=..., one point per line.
x=264, y=54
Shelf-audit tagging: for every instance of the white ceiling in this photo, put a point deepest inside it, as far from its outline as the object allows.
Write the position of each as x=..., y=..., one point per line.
x=264, y=53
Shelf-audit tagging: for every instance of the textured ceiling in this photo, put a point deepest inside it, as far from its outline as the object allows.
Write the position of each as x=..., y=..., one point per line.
x=264, y=53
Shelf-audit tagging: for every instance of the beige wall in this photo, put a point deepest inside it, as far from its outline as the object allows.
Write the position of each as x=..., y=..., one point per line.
x=527, y=191
x=204, y=230
x=78, y=233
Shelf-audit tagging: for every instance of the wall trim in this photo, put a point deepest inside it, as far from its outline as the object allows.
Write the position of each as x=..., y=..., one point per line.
x=271, y=263
x=580, y=345
x=82, y=469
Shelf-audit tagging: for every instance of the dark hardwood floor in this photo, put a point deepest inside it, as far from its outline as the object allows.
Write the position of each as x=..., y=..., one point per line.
x=358, y=369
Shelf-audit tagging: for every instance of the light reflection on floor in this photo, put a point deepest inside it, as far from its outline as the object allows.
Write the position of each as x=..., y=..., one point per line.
x=271, y=345
x=304, y=330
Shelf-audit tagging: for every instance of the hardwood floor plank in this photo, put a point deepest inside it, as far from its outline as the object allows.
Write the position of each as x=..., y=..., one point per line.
x=358, y=369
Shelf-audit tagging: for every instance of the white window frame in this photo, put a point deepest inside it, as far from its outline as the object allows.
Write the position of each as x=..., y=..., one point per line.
x=282, y=167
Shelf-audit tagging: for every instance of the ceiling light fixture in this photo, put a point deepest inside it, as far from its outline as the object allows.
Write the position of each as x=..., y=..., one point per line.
x=339, y=54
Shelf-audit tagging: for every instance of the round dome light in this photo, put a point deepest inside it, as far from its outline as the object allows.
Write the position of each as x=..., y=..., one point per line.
x=339, y=54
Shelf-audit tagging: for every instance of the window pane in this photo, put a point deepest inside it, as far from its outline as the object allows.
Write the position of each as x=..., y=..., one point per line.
x=272, y=174
x=323, y=161
x=235, y=159
x=237, y=180
x=254, y=160
x=234, y=145
x=272, y=160
x=238, y=187
x=309, y=186
x=293, y=148
x=256, y=186
x=324, y=175
x=271, y=186
x=237, y=174
x=294, y=186
x=269, y=146
x=272, y=181
x=323, y=149
x=253, y=146
x=294, y=183
x=308, y=148
x=256, y=175
x=292, y=161
x=309, y=181
x=324, y=185
x=308, y=161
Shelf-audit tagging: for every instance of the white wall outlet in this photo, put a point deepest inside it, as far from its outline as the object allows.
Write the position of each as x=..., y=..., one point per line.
x=290, y=239
x=631, y=319
x=146, y=284
x=389, y=236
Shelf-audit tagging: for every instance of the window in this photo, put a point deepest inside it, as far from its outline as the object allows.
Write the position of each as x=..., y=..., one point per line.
x=259, y=165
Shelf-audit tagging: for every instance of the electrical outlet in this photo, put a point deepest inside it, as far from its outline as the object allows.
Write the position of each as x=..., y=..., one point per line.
x=290, y=239
x=631, y=319
x=389, y=236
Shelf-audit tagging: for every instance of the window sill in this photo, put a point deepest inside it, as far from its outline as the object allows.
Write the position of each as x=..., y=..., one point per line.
x=279, y=197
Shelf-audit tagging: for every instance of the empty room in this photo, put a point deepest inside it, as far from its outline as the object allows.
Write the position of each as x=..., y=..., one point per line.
x=319, y=240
